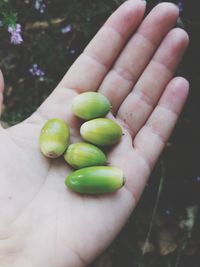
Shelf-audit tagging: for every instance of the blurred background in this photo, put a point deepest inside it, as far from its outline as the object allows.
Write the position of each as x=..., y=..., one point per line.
x=39, y=41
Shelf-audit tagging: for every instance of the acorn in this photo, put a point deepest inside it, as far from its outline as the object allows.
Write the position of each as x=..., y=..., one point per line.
x=101, y=131
x=54, y=138
x=90, y=105
x=95, y=180
x=80, y=155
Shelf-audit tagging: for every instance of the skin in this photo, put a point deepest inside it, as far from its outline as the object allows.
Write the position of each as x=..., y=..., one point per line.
x=41, y=222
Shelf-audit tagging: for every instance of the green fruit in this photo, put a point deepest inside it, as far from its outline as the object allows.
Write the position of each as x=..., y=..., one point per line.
x=101, y=132
x=95, y=180
x=90, y=105
x=82, y=155
x=54, y=138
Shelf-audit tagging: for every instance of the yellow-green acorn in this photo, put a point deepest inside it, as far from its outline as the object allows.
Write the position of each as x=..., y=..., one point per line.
x=90, y=105
x=80, y=155
x=54, y=138
x=95, y=180
x=101, y=131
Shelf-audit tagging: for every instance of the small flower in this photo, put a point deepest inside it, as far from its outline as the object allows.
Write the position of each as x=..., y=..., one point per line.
x=35, y=70
x=72, y=51
x=15, y=32
x=66, y=29
x=40, y=6
x=180, y=6
x=168, y=212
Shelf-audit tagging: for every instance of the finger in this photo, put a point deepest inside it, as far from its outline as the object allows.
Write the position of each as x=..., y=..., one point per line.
x=137, y=53
x=139, y=104
x=89, y=69
x=151, y=139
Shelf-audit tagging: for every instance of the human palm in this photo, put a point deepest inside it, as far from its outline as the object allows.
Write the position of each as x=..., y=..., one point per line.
x=42, y=223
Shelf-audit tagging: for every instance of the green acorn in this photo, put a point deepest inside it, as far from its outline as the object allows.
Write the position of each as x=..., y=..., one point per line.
x=101, y=131
x=95, y=180
x=80, y=155
x=90, y=105
x=54, y=138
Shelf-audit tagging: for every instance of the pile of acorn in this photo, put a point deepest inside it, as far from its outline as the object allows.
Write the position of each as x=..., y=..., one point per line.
x=91, y=176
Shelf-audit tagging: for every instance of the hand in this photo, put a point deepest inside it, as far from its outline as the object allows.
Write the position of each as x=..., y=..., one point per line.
x=131, y=60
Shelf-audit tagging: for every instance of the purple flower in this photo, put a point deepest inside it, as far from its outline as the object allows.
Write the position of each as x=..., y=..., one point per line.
x=36, y=71
x=66, y=29
x=15, y=32
x=40, y=6
x=72, y=51
x=180, y=6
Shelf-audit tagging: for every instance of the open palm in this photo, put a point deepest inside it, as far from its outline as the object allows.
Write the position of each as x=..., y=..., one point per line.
x=131, y=60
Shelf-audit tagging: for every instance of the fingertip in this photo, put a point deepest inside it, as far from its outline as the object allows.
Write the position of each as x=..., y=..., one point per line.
x=166, y=10
x=181, y=84
x=130, y=13
x=168, y=6
x=175, y=95
x=134, y=2
x=163, y=18
x=181, y=35
x=172, y=48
